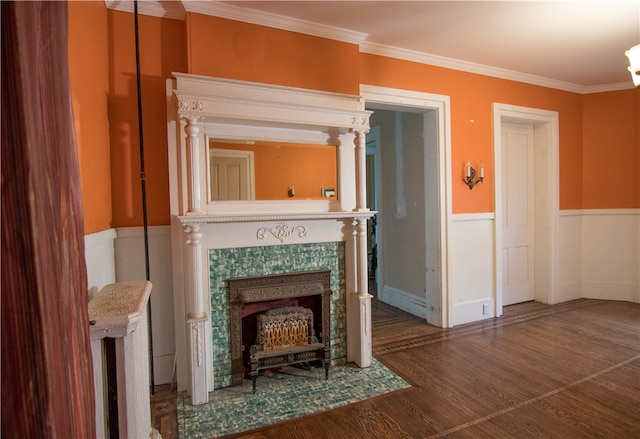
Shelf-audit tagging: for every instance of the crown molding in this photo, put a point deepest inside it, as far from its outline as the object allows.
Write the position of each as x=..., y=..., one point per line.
x=481, y=69
x=162, y=9
x=231, y=12
x=608, y=87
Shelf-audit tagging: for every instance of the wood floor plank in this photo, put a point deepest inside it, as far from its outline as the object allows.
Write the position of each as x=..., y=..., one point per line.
x=570, y=370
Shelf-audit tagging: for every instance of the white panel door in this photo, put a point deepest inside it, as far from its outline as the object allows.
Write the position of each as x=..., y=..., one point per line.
x=518, y=213
x=231, y=175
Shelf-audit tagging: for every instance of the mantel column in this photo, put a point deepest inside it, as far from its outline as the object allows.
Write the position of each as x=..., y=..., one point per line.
x=196, y=317
x=359, y=302
x=361, y=170
x=363, y=356
x=193, y=164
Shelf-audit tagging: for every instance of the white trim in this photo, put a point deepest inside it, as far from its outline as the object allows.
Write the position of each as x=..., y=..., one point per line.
x=586, y=212
x=138, y=231
x=416, y=305
x=627, y=292
x=473, y=216
x=374, y=135
x=99, y=238
x=539, y=118
x=162, y=9
x=473, y=311
x=247, y=15
x=481, y=69
x=398, y=98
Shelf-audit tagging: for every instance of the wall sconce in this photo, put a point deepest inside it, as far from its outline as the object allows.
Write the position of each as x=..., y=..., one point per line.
x=470, y=175
x=634, y=64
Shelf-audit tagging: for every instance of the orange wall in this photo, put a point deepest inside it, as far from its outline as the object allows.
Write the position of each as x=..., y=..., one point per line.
x=611, y=150
x=233, y=49
x=89, y=76
x=106, y=107
x=472, y=97
x=162, y=43
x=103, y=82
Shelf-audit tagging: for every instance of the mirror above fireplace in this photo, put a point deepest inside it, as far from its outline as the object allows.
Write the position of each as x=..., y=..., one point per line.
x=308, y=132
x=248, y=169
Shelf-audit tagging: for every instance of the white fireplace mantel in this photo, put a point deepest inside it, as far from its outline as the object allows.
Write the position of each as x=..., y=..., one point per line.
x=200, y=108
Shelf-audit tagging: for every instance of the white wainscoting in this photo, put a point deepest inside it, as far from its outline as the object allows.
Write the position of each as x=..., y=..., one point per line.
x=598, y=257
x=130, y=265
x=471, y=268
x=117, y=255
x=569, y=256
x=611, y=254
x=100, y=258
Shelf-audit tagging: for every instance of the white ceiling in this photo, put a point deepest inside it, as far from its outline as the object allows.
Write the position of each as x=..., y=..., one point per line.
x=580, y=43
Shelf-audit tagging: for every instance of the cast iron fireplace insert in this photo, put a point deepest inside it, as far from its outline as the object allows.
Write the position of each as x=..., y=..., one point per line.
x=296, y=304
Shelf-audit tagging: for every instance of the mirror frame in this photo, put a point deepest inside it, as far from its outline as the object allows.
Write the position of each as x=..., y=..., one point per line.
x=227, y=109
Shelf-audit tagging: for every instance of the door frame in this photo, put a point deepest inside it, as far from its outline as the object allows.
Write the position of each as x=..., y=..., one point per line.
x=374, y=135
x=546, y=208
x=407, y=100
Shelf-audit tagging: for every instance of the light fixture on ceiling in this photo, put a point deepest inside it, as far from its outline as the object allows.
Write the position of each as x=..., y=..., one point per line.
x=634, y=63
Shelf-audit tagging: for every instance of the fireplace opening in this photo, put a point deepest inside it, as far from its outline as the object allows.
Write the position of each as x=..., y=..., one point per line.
x=279, y=320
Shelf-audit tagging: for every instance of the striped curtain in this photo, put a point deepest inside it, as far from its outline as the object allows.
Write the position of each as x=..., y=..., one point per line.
x=47, y=376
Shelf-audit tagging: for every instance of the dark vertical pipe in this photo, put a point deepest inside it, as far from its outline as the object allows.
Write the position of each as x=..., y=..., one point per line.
x=143, y=181
x=111, y=369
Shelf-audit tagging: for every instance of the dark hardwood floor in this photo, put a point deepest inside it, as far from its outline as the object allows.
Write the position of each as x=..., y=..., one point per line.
x=564, y=371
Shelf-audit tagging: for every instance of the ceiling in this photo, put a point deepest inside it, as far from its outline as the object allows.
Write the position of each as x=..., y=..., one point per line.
x=578, y=44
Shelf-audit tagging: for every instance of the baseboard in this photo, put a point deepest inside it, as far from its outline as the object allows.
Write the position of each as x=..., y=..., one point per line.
x=611, y=291
x=405, y=301
x=473, y=311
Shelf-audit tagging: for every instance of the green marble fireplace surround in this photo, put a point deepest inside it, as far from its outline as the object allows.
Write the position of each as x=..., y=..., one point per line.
x=264, y=260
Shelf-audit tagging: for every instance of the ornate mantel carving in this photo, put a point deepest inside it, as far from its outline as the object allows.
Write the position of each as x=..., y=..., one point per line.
x=281, y=232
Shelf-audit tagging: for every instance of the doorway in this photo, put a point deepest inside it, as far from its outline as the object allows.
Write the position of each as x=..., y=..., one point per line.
x=424, y=234
x=543, y=174
x=231, y=175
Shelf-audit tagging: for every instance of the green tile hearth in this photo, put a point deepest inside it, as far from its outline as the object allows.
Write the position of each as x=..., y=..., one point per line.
x=282, y=395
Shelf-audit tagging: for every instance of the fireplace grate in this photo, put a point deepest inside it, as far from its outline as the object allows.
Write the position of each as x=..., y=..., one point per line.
x=286, y=336
x=282, y=319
